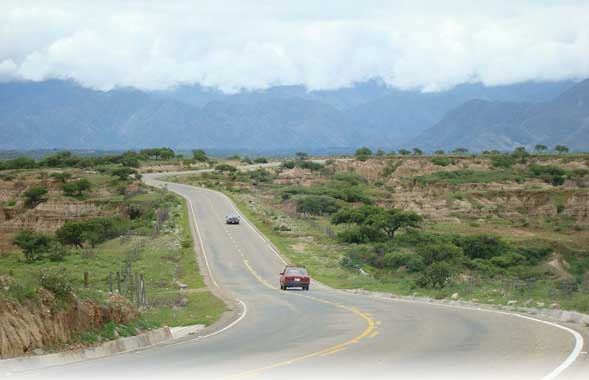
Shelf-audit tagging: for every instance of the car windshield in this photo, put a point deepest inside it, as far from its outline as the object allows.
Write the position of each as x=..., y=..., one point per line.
x=299, y=271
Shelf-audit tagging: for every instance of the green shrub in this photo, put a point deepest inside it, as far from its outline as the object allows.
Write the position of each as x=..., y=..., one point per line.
x=441, y=161
x=317, y=205
x=508, y=260
x=361, y=234
x=481, y=246
x=261, y=160
x=35, y=195
x=411, y=261
x=76, y=188
x=436, y=275
x=483, y=266
x=440, y=252
x=502, y=161
x=57, y=282
x=34, y=245
x=549, y=174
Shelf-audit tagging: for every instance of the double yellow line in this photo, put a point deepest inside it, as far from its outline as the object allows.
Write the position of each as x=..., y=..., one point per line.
x=369, y=331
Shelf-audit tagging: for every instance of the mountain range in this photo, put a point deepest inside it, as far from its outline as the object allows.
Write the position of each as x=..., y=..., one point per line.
x=62, y=114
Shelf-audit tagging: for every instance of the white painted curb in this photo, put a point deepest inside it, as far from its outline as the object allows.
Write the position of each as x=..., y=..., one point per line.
x=110, y=348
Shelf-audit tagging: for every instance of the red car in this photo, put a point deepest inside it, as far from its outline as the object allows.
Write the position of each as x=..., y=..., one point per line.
x=294, y=277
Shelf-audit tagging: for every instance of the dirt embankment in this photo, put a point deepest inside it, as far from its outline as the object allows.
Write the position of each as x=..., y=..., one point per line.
x=24, y=328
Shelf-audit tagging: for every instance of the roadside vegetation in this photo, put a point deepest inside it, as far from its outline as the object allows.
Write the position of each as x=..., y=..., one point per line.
x=505, y=228
x=85, y=226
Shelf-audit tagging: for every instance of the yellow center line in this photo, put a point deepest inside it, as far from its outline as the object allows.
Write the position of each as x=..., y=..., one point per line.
x=327, y=351
x=368, y=331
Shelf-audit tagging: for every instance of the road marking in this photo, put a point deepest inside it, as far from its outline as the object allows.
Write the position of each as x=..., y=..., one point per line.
x=579, y=342
x=202, y=246
x=334, y=351
x=328, y=351
x=243, y=314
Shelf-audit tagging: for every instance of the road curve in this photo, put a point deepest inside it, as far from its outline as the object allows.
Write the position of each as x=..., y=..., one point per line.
x=325, y=333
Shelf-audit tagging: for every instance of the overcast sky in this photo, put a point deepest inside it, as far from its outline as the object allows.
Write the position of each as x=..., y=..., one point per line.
x=428, y=45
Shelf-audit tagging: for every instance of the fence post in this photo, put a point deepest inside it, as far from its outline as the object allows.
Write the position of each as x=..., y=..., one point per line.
x=85, y=280
x=110, y=282
x=119, y=282
x=137, y=291
x=143, y=296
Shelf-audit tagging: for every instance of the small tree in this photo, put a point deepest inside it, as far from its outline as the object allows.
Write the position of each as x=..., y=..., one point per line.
x=301, y=156
x=61, y=176
x=33, y=244
x=261, y=160
x=364, y=151
x=391, y=220
x=417, y=151
x=539, y=148
x=520, y=154
x=76, y=188
x=404, y=152
x=380, y=153
x=35, y=195
x=225, y=168
x=71, y=233
x=561, y=149
x=460, y=151
x=123, y=173
x=439, y=152
x=199, y=155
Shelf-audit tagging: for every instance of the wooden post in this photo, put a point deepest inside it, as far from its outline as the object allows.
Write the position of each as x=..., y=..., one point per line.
x=137, y=291
x=110, y=282
x=85, y=280
x=143, y=297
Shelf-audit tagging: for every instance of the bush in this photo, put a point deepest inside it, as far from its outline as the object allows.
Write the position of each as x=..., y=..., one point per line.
x=35, y=195
x=361, y=234
x=534, y=254
x=76, y=188
x=508, y=260
x=483, y=266
x=61, y=176
x=94, y=231
x=436, y=275
x=549, y=174
x=411, y=261
x=481, y=246
x=33, y=244
x=502, y=161
x=261, y=160
x=123, y=173
x=317, y=205
x=57, y=282
x=440, y=252
x=441, y=161
x=288, y=164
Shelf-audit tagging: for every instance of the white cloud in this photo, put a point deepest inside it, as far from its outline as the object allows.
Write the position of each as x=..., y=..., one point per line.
x=430, y=45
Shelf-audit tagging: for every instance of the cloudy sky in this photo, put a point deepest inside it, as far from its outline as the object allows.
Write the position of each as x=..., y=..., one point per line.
x=420, y=44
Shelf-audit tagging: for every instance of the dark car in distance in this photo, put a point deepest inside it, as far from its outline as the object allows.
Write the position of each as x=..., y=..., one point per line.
x=232, y=219
x=294, y=277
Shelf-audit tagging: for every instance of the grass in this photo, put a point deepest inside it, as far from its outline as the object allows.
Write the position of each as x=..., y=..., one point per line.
x=166, y=261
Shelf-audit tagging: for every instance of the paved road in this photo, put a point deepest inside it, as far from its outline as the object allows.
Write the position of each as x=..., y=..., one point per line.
x=325, y=333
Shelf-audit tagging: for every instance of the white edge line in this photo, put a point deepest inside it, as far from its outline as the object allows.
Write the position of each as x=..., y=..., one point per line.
x=579, y=342
x=243, y=314
x=204, y=252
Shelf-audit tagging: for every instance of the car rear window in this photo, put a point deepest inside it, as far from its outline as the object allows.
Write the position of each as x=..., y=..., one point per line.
x=299, y=271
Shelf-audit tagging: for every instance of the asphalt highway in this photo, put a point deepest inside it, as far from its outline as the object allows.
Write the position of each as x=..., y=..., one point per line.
x=326, y=333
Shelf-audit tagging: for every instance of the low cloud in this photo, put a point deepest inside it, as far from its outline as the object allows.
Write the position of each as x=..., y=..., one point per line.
x=232, y=45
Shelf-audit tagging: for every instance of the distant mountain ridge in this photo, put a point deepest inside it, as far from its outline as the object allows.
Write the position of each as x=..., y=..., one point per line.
x=481, y=125
x=62, y=114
